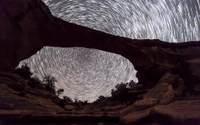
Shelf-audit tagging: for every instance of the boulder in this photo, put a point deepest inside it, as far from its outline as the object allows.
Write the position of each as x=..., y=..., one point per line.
x=163, y=92
x=135, y=116
x=145, y=103
x=138, y=106
x=168, y=78
x=69, y=107
x=179, y=87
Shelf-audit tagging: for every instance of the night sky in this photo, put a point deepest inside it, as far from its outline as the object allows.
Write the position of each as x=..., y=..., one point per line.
x=85, y=73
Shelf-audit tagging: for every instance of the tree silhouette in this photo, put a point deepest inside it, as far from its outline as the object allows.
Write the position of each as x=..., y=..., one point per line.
x=131, y=83
x=59, y=91
x=24, y=71
x=120, y=93
x=67, y=99
x=100, y=98
x=49, y=81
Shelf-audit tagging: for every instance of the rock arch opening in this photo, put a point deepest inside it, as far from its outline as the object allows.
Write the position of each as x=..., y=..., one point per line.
x=83, y=73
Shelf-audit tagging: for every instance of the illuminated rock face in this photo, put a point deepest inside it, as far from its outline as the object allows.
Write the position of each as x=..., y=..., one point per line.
x=26, y=30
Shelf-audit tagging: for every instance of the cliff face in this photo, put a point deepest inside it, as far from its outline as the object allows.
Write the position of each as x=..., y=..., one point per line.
x=27, y=26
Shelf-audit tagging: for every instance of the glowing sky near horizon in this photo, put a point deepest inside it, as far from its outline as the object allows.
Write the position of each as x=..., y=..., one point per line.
x=86, y=74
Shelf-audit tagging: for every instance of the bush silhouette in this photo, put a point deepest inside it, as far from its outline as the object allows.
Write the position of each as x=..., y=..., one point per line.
x=101, y=98
x=24, y=71
x=131, y=83
x=67, y=99
x=59, y=91
x=49, y=81
x=35, y=82
x=121, y=92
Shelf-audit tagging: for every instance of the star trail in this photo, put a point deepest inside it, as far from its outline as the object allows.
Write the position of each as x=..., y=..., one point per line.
x=85, y=73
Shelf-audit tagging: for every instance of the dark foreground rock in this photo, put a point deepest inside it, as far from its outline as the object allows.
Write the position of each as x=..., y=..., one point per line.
x=189, y=70
x=22, y=104
x=166, y=103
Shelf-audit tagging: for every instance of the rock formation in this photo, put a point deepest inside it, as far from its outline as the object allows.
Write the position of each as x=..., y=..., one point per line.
x=27, y=26
x=169, y=71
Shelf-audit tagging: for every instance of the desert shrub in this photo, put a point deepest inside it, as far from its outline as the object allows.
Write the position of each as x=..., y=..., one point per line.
x=101, y=98
x=67, y=99
x=131, y=83
x=60, y=91
x=24, y=71
x=49, y=81
x=121, y=92
x=79, y=102
x=35, y=82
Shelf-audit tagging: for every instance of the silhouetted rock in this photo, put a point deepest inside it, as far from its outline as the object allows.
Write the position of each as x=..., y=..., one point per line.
x=180, y=87
x=135, y=116
x=33, y=100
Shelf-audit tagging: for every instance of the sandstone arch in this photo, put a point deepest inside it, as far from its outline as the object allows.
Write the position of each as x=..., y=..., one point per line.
x=27, y=26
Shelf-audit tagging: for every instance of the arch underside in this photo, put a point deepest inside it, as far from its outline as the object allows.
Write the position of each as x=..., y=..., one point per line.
x=26, y=30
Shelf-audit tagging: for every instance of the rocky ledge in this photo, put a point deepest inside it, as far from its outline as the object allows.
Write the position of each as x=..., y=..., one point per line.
x=169, y=102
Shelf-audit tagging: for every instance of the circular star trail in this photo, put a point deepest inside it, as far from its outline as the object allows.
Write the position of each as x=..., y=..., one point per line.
x=85, y=73
x=167, y=20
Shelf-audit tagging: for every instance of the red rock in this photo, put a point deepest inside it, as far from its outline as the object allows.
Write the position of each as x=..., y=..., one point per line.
x=180, y=87
x=180, y=111
x=145, y=103
x=69, y=107
x=135, y=116
x=163, y=92
x=168, y=78
x=138, y=106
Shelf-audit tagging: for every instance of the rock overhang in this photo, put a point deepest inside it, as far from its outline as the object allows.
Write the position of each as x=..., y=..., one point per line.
x=26, y=30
